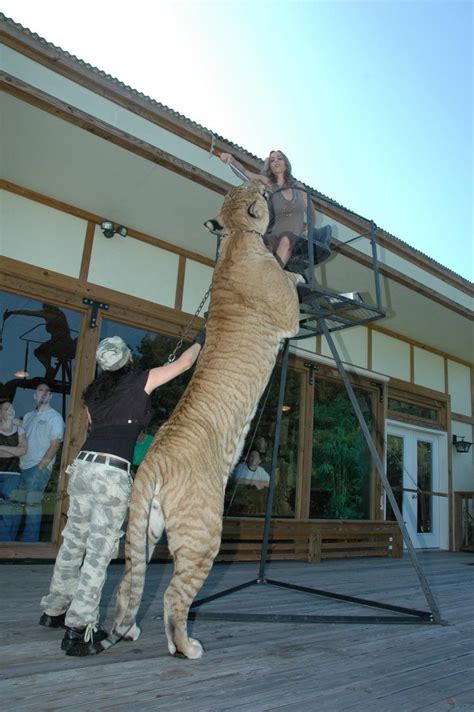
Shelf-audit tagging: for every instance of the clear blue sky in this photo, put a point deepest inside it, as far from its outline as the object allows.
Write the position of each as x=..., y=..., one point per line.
x=372, y=101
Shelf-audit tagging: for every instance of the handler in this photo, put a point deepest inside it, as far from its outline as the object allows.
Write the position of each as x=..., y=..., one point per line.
x=118, y=408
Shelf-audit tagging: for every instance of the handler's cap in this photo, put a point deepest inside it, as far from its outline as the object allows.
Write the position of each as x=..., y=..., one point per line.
x=112, y=353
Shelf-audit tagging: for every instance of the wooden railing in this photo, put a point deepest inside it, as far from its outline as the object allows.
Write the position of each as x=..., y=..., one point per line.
x=305, y=540
x=309, y=540
x=464, y=521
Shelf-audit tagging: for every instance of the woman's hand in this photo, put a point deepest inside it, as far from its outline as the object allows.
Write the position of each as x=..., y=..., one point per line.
x=226, y=158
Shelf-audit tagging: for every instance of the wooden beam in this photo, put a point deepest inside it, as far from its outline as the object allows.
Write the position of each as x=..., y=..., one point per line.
x=87, y=252
x=76, y=421
x=178, y=302
x=68, y=291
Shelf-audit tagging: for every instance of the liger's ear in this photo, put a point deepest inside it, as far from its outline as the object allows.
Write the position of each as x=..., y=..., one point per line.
x=256, y=210
x=214, y=226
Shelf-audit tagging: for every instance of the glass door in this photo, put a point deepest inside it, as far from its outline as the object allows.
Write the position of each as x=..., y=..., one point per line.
x=413, y=472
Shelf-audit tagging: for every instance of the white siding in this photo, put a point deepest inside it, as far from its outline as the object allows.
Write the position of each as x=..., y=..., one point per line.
x=133, y=267
x=390, y=356
x=459, y=388
x=40, y=235
x=463, y=463
x=197, y=278
x=351, y=345
x=429, y=370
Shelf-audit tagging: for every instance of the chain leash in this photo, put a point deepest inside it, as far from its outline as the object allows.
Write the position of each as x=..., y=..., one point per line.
x=172, y=356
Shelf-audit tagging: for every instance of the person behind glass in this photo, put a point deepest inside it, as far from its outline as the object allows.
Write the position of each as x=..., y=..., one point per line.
x=289, y=202
x=118, y=408
x=44, y=429
x=13, y=444
x=250, y=472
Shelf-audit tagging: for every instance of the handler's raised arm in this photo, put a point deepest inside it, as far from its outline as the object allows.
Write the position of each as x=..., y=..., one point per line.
x=162, y=374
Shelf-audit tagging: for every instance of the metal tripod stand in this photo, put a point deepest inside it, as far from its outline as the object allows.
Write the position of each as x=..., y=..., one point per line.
x=324, y=312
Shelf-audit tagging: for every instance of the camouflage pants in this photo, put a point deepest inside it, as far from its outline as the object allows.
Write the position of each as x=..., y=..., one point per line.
x=99, y=497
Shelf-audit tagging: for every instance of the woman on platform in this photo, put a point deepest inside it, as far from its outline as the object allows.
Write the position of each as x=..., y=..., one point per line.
x=289, y=200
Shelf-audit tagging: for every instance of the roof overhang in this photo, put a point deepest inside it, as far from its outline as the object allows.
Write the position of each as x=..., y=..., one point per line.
x=68, y=156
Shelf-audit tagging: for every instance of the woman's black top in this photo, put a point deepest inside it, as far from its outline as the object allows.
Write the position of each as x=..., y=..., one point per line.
x=12, y=463
x=118, y=420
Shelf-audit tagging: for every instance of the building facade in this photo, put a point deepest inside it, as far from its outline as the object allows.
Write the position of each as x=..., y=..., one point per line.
x=78, y=148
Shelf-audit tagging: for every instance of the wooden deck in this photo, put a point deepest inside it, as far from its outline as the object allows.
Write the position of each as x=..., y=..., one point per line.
x=256, y=666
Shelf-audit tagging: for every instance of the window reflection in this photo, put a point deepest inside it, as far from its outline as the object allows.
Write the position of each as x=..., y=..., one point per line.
x=342, y=467
x=38, y=351
x=395, y=472
x=248, y=486
x=424, y=454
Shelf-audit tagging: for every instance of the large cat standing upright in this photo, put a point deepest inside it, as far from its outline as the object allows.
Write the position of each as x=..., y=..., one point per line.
x=181, y=483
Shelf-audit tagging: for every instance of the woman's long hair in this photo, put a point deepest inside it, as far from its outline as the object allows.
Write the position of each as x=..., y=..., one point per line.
x=104, y=385
x=267, y=171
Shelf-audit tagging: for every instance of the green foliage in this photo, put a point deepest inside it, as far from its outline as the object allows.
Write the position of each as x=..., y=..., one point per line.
x=154, y=351
x=341, y=459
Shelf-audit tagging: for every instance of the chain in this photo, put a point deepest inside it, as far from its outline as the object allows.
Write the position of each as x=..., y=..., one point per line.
x=172, y=356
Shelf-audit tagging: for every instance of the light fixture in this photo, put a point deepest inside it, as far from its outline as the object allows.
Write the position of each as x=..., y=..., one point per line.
x=460, y=444
x=110, y=230
x=285, y=408
x=21, y=374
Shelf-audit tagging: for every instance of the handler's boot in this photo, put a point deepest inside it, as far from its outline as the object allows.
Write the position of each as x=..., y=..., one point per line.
x=52, y=621
x=83, y=641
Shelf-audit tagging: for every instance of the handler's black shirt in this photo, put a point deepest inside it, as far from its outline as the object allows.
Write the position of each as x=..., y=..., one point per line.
x=118, y=420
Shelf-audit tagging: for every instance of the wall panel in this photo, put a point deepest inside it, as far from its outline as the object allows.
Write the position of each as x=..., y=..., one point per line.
x=134, y=267
x=463, y=463
x=460, y=388
x=351, y=345
x=429, y=370
x=197, y=279
x=390, y=356
x=41, y=236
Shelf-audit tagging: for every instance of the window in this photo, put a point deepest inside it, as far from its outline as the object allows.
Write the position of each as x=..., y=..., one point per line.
x=39, y=342
x=341, y=460
x=414, y=409
x=395, y=447
x=248, y=486
x=417, y=407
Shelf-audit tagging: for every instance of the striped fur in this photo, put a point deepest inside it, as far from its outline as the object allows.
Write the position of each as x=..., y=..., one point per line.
x=180, y=485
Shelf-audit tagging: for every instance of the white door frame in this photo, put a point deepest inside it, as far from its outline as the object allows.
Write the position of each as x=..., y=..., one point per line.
x=440, y=536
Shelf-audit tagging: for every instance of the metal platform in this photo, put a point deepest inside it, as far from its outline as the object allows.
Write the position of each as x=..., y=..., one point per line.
x=340, y=311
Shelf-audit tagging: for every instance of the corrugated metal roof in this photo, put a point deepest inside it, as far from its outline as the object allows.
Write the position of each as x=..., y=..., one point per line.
x=189, y=122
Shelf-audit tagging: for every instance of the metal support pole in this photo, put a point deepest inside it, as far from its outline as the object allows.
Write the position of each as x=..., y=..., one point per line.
x=381, y=470
x=310, y=228
x=373, y=244
x=276, y=448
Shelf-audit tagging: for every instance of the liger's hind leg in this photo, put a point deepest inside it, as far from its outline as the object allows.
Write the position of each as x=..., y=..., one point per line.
x=191, y=567
x=139, y=547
